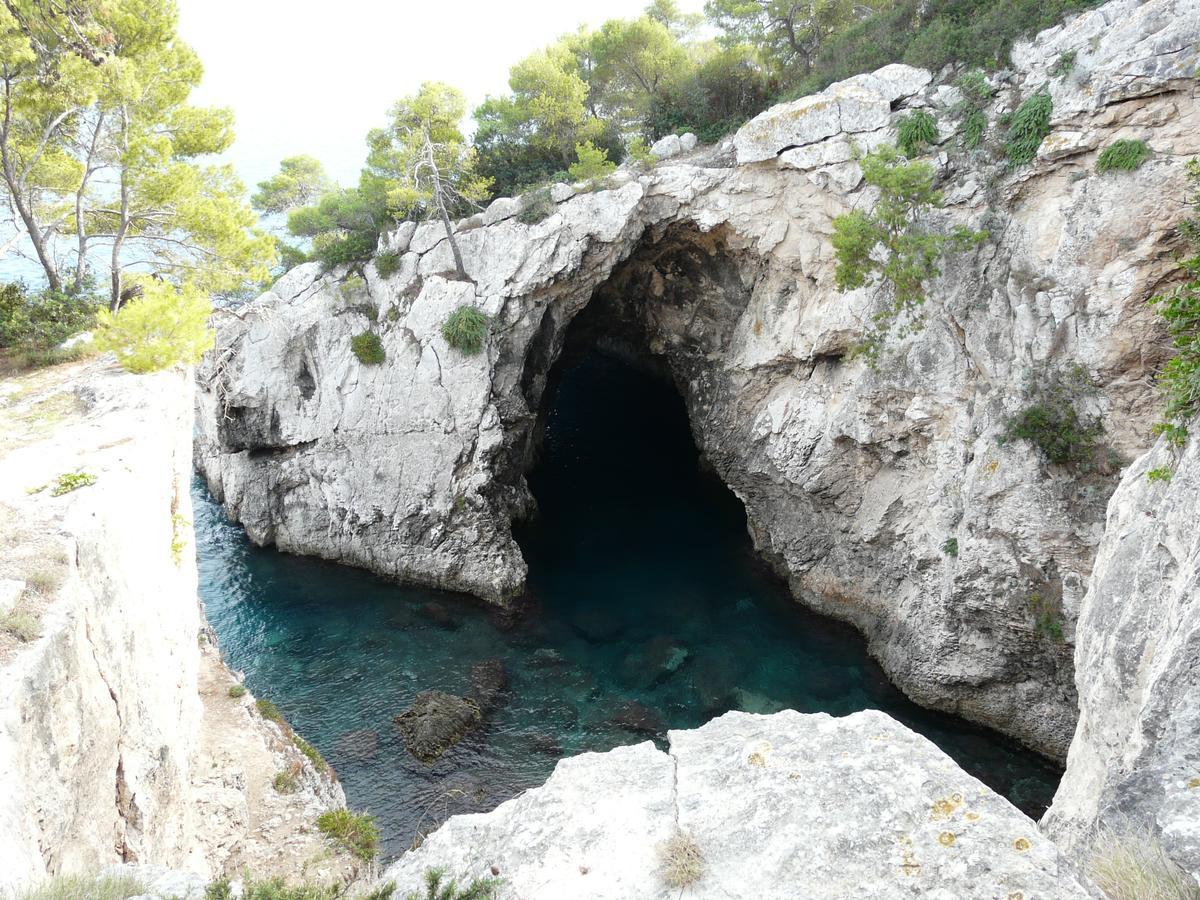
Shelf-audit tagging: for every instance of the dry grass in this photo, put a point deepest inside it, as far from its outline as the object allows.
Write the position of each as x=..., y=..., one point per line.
x=83, y=887
x=20, y=625
x=1132, y=865
x=30, y=551
x=680, y=859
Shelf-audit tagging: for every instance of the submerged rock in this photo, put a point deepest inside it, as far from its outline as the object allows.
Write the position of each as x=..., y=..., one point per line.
x=638, y=718
x=357, y=745
x=653, y=661
x=489, y=685
x=780, y=806
x=435, y=722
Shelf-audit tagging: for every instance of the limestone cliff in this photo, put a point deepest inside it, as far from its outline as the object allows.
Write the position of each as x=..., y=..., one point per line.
x=118, y=738
x=718, y=263
x=787, y=805
x=1135, y=759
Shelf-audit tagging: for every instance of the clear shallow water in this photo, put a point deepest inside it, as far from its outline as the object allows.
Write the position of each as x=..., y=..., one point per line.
x=649, y=611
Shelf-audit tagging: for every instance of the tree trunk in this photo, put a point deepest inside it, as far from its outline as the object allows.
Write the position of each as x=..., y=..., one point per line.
x=439, y=198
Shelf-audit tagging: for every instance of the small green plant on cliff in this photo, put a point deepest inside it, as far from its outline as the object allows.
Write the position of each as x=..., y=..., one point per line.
x=465, y=329
x=1122, y=156
x=536, y=206
x=1179, y=379
x=637, y=153
x=387, y=263
x=1052, y=422
x=1132, y=865
x=269, y=711
x=237, y=691
x=890, y=246
x=950, y=547
x=368, y=348
x=179, y=533
x=680, y=860
x=85, y=887
x=274, y=889
x=916, y=131
x=438, y=888
x=285, y=783
x=977, y=94
x=313, y=754
x=1159, y=474
x=1065, y=64
x=1047, y=617
x=71, y=481
x=356, y=833
x=1029, y=127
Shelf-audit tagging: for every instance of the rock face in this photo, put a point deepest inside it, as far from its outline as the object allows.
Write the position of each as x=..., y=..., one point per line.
x=854, y=480
x=1135, y=759
x=436, y=722
x=787, y=805
x=107, y=713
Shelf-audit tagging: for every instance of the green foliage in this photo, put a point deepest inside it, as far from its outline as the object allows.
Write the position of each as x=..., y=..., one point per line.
x=637, y=152
x=916, y=131
x=975, y=88
x=357, y=833
x=268, y=710
x=1029, y=127
x=387, y=263
x=713, y=98
x=368, y=348
x=84, y=887
x=950, y=546
x=592, y=163
x=274, y=889
x=237, y=691
x=1053, y=424
x=1159, y=473
x=1123, y=156
x=466, y=329
x=180, y=528
x=974, y=126
x=164, y=327
x=1065, y=64
x=930, y=34
x=20, y=625
x=71, y=481
x=1047, y=617
x=977, y=94
x=285, y=783
x=351, y=287
x=437, y=888
x=313, y=754
x=301, y=180
x=888, y=245
x=1179, y=379
x=536, y=206
x=42, y=320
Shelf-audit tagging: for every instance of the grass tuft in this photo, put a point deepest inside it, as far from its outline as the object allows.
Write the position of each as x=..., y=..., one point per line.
x=368, y=348
x=356, y=833
x=285, y=783
x=680, y=860
x=436, y=888
x=1133, y=866
x=916, y=131
x=465, y=329
x=268, y=710
x=1029, y=127
x=1122, y=156
x=237, y=691
x=387, y=263
x=22, y=626
x=84, y=887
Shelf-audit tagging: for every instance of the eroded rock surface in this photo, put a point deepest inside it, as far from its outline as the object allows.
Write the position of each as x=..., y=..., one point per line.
x=1135, y=759
x=854, y=480
x=787, y=805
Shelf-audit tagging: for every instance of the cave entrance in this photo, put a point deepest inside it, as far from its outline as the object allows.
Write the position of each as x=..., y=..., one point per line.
x=649, y=605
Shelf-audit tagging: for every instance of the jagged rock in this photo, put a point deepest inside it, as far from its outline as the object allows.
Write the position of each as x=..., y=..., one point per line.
x=1135, y=760
x=853, y=478
x=780, y=806
x=500, y=209
x=435, y=722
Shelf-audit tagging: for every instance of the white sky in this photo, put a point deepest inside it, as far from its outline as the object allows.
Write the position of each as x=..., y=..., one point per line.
x=313, y=76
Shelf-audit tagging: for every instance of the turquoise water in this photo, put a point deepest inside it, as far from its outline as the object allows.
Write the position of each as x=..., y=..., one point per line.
x=649, y=610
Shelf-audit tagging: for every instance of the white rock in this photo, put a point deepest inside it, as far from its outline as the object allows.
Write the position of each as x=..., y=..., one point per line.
x=666, y=147
x=11, y=590
x=399, y=238
x=1135, y=759
x=560, y=193
x=500, y=209
x=784, y=805
x=687, y=142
